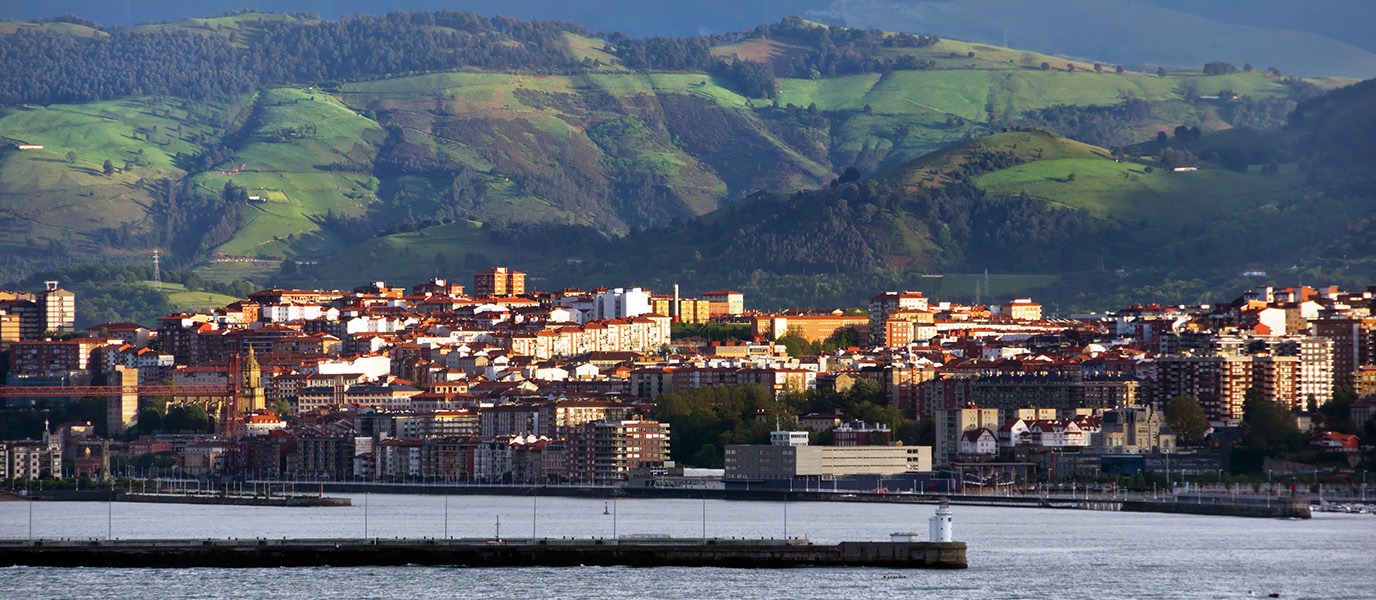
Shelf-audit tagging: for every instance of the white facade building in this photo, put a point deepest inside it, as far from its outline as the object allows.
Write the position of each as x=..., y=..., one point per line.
x=620, y=303
x=371, y=367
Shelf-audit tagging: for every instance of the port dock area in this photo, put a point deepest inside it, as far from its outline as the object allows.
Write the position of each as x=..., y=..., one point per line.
x=528, y=552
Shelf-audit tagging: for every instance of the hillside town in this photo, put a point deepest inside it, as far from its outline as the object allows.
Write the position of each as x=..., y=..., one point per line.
x=498, y=383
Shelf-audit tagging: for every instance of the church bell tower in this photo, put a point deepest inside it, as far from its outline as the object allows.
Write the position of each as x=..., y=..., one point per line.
x=251, y=394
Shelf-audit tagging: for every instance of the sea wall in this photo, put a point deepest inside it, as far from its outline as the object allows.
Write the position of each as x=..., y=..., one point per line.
x=481, y=553
x=1281, y=508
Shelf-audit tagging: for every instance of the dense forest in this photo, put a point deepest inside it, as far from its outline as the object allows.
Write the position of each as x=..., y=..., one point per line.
x=168, y=59
x=185, y=62
x=832, y=51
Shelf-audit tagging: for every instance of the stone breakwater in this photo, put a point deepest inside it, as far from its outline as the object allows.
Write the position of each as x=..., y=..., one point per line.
x=1279, y=508
x=650, y=552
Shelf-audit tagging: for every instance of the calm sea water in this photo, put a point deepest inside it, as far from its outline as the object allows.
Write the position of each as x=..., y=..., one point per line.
x=1013, y=552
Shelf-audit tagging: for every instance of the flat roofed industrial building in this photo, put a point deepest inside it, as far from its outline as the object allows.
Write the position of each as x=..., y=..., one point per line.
x=759, y=462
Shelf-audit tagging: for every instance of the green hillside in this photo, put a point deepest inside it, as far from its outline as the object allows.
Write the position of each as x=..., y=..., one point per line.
x=609, y=146
x=336, y=152
x=1003, y=202
x=62, y=206
x=185, y=300
x=304, y=154
x=72, y=29
x=950, y=164
x=1126, y=191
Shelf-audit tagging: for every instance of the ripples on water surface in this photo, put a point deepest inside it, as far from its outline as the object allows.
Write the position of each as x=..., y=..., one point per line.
x=1013, y=552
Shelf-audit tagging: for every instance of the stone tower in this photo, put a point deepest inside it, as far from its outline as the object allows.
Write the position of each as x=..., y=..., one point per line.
x=251, y=394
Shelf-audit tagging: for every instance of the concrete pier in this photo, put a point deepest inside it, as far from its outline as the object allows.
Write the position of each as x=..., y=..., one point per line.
x=650, y=552
x=185, y=498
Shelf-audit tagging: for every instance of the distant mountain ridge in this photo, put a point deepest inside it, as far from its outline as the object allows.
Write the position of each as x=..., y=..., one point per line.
x=1137, y=33
x=1344, y=20
x=1174, y=33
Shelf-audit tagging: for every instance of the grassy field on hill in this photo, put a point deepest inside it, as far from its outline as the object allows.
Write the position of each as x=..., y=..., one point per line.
x=1126, y=191
x=57, y=204
x=72, y=29
x=222, y=270
x=188, y=301
x=1027, y=146
x=586, y=48
x=308, y=155
x=54, y=205
x=781, y=50
x=145, y=132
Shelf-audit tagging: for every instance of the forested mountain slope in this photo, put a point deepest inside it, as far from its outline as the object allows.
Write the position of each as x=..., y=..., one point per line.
x=1109, y=224
x=340, y=130
x=269, y=146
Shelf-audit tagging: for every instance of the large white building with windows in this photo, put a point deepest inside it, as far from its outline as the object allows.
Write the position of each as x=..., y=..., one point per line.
x=620, y=303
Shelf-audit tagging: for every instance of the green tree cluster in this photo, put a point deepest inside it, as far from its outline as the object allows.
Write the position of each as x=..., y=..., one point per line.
x=1269, y=430
x=797, y=345
x=1186, y=418
x=703, y=421
x=190, y=418
x=712, y=332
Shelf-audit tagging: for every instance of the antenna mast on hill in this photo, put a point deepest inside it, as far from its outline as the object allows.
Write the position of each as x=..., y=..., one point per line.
x=157, y=273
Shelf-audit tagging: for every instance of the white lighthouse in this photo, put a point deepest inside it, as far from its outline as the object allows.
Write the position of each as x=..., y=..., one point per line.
x=939, y=526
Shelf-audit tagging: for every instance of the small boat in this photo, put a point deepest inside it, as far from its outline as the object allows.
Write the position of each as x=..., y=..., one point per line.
x=606, y=508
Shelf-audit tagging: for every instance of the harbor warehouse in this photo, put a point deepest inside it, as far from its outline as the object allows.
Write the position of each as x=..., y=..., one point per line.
x=758, y=463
